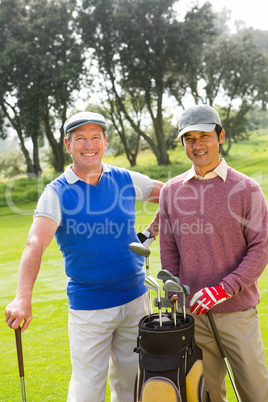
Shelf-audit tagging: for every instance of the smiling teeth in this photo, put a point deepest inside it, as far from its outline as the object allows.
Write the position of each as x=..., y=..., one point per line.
x=89, y=154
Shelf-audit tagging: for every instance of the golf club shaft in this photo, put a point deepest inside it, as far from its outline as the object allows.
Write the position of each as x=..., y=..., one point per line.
x=149, y=302
x=148, y=291
x=20, y=362
x=147, y=266
x=183, y=307
x=222, y=352
x=174, y=302
x=159, y=306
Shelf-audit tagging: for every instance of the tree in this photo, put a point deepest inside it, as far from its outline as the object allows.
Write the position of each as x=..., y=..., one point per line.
x=14, y=49
x=142, y=50
x=129, y=139
x=41, y=67
x=236, y=69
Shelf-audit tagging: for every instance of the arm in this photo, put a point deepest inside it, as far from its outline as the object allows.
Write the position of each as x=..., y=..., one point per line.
x=169, y=253
x=154, y=196
x=256, y=236
x=243, y=279
x=155, y=193
x=40, y=235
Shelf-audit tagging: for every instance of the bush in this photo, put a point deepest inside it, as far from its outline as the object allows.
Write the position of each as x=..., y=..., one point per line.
x=12, y=163
x=22, y=190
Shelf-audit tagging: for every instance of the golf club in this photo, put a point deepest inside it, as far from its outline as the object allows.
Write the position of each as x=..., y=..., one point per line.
x=151, y=283
x=20, y=362
x=174, y=303
x=222, y=351
x=140, y=249
x=186, y=292
x=164, y=303
x=173, y=286
x=166, y=275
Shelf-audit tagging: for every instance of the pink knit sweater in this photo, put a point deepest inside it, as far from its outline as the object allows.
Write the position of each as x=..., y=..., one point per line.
x=213, y=231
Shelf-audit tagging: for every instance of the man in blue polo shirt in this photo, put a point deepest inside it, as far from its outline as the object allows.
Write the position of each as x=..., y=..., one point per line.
x=90, y=209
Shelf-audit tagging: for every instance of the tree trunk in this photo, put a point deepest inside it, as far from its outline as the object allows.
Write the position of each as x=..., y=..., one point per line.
x=57, y=147
x=37, y=167
x=30, y=166
x=162, y=154
x=159, y=148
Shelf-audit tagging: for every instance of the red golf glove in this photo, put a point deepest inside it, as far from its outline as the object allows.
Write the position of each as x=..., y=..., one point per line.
x=206, y=298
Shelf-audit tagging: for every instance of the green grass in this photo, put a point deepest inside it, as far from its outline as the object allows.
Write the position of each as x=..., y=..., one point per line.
x=45, y=343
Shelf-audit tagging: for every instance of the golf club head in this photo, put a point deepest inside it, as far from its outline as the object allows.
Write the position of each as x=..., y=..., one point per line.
x=140, y=249
x=172, y=286
x=149, y=283
x=157, y=287
x=165, y=275
x=164, y=302
x=154, y=281
x=186, y=290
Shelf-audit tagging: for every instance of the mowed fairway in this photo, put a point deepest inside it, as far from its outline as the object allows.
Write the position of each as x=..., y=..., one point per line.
x=45, y=343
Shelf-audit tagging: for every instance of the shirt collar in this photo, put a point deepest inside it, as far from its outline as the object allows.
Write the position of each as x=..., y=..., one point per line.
x=220, y=170
x=72, y=178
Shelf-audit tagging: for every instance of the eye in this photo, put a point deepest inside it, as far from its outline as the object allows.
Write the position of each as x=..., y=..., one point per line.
x=96, y=138
x=205, y=135
x=188, y=140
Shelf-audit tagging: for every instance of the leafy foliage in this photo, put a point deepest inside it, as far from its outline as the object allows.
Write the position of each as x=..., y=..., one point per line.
x=11, y=163
x=139, y=53
x=147, y=56
x=40, y=68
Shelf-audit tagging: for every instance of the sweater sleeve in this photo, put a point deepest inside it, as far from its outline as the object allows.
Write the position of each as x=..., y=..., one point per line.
x=256, y=234
x=169, y=253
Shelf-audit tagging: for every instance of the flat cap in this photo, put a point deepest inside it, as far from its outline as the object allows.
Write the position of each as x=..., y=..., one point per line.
x=81, y=118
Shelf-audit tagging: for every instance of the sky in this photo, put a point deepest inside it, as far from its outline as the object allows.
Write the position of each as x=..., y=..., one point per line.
x=253, y=13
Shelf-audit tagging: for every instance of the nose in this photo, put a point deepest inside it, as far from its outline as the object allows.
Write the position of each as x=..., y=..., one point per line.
x=88, y=143
x=197, y=142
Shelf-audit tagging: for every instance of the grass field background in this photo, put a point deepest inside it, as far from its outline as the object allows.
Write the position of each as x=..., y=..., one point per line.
x=45, y=343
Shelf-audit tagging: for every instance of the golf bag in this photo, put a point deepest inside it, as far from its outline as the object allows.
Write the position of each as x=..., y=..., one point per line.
x=170, y=363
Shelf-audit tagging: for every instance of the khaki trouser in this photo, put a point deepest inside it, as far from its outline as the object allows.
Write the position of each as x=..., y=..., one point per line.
x=100, y=339
x=241, y=338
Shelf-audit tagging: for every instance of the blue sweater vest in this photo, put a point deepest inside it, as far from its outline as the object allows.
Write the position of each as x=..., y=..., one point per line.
x=94, y=236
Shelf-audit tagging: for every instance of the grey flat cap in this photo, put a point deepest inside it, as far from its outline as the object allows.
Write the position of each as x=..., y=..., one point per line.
x=198, y=118
x=81, y=118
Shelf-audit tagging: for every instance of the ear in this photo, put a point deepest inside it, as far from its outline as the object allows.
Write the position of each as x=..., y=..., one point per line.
x=105, y=142
x=68, y=146
x=222, y=136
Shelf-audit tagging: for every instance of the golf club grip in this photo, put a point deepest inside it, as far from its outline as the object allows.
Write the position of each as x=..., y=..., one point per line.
x=19, y=351
x=216, y=334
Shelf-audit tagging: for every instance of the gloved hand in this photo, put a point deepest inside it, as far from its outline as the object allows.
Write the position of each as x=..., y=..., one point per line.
x=145, y=238
x=206, y=298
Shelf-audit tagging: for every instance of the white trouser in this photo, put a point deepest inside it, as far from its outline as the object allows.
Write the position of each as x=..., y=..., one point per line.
x=102, y=341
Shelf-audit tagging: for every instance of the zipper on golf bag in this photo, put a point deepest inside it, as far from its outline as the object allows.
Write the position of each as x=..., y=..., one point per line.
x=170, y=362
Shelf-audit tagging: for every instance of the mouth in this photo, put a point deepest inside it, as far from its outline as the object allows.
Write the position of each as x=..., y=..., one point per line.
x=89, y=154
x=199, y=153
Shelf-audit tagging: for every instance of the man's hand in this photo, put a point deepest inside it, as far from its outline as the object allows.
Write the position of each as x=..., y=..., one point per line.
x=206, y=298
x=18, y=311
x=145, y=238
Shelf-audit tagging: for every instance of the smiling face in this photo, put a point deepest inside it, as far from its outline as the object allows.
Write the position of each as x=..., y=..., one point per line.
x=203, y=150
x=87, y=146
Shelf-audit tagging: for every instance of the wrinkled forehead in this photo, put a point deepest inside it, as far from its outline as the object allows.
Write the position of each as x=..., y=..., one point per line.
x=88, y=129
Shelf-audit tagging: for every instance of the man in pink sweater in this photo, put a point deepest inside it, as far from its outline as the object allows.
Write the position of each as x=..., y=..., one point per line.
x=214, y=237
